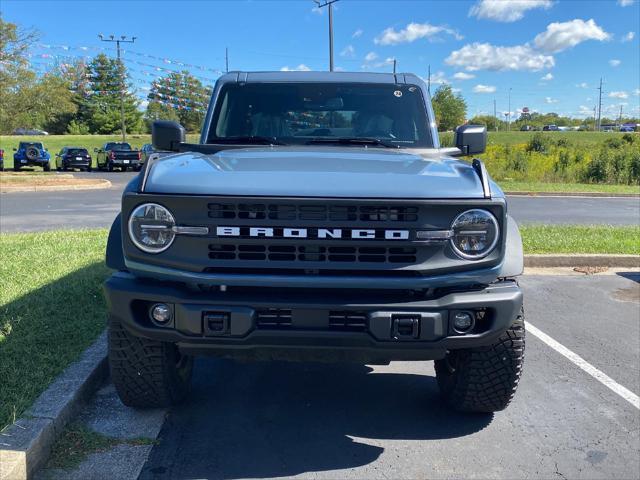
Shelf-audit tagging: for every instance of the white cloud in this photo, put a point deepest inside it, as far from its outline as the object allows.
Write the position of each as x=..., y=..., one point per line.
x=614, y=62
x=348, y=51
x=370, y=57
x=316, y=10
x=582, y=85
x=506, y=10
x=560, y=36
x=550, y=100
x=636, y=92
x=484, y=88
x=438, y=78
x=621, y=94
x=456, y=90
x=628, y=37
x=547, y=77
x=625, y=3
x=357, y=34
x=412, y=32
x=484, y=56
x=300, y=68
x=463, y=76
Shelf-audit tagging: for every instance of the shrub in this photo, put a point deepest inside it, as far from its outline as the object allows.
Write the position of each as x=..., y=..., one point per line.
x=540, y=143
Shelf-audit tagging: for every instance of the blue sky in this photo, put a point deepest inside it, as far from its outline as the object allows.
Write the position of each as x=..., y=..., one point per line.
x=551, y=53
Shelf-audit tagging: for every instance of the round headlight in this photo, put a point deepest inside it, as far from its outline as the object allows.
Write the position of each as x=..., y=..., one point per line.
x=475, y=234
x=151, y=228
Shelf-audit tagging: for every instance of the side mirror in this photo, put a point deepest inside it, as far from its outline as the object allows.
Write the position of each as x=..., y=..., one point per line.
x=471, y=139
x=167, y=135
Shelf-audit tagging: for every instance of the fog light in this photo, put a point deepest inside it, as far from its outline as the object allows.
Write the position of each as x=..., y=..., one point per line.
x=462, y=322
x=161, y=313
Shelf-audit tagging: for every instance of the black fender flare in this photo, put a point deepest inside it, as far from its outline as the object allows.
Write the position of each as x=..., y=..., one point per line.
x=114, y=255
x=514, y=255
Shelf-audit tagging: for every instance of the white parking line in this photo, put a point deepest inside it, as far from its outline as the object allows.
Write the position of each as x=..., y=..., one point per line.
x=577, y=360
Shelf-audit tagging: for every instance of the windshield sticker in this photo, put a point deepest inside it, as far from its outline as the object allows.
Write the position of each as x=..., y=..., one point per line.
x=398, y=93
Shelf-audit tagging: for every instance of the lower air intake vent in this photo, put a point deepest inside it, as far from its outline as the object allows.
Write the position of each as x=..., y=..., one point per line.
x=274, y=318
x=347, y=320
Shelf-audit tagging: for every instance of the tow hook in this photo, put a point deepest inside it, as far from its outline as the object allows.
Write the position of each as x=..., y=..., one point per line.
x=405, y=327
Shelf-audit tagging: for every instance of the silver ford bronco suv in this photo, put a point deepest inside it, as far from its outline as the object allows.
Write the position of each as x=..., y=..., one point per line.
x=318, y=219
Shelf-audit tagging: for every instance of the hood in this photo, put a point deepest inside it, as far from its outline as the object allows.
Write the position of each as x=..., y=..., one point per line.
x=337, y=172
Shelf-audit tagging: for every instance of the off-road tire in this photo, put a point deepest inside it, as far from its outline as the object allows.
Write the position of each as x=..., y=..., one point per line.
x=484, y=379
x=16, y=168
x=147, y=373
x=46, y=167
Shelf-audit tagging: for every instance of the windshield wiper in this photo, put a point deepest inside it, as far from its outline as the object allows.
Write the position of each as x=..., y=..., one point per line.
x=353, y=141
x=248, y=139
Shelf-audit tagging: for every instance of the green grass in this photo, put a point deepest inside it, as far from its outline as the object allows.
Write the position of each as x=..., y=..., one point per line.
x=51, y=309
x=77, y=441
x=581, y=239
x=511, y=186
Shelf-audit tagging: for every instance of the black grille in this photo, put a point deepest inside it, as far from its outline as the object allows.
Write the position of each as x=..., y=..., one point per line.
x=308, y=253
x=274, y=318
x=335, y=213
x=347, y=320
x=281, y=319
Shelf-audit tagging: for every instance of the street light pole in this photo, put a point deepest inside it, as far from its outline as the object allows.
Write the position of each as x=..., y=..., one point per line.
x=117, y=41
x=329, y=4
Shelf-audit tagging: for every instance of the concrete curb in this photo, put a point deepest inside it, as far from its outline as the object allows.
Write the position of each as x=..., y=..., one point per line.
x=582, y=260
x=25, y=446
x=54, y=188
x=573, y=194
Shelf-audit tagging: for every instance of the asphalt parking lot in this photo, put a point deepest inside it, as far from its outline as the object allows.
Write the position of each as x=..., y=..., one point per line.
x=316, y=421
x=33, y=211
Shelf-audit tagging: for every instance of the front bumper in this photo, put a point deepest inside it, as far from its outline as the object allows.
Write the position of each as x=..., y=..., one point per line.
x=307, y=324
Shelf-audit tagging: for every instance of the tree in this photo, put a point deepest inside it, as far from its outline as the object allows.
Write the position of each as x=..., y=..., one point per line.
x=489, y=120
x=450, y=109
x=178, y=96
x=15, y=74
x=100, y=107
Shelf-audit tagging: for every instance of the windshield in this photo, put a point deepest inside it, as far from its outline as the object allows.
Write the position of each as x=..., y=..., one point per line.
x=118, y=146
x=297, y=113
x=77, y=151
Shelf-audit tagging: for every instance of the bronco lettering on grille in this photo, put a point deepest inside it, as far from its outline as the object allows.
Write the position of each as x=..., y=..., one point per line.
x=313, y=233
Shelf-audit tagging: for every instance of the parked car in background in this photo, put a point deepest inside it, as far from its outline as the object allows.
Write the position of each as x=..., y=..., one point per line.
x=626, y=128
x=29, y=131
x=1, y=160
x=118, y=155
x=550, y=128
x=146, y=151
x=29, y=154
x=73, y=157
x=526, y=128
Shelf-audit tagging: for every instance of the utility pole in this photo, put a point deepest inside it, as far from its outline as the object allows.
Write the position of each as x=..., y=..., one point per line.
x=118, y=41
x=595, y=108
x=329, y=3
x=620, y=117
x=226, y=58
x=509, y=122
x=495, y=116
x=600, y=105
x=429, y=80
x=394, y=66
